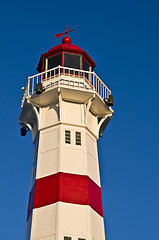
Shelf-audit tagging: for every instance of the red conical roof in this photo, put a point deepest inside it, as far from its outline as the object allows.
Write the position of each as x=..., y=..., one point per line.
x=64, y=47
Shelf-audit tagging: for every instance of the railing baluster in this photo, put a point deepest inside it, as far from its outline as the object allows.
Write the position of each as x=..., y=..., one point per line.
x=28, y=86
x=32, y=85
x=103, y=92
x=101, y=89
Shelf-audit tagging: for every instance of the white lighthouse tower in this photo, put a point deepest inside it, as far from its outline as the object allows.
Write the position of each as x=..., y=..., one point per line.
x=66, y=107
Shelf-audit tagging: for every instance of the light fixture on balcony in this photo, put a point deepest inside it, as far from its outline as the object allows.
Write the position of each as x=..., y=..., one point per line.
x=109, y=100
x=39, y=88
x=23, y=130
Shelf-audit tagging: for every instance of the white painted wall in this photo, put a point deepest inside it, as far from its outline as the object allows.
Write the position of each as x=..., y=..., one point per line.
x=44, y=222
x=55, y=221
x=62, y=219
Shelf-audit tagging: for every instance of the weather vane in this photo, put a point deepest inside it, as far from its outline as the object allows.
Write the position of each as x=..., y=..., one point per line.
x=66, y=32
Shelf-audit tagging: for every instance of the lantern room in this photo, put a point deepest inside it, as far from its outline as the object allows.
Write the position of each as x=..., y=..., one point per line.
x=67, y=55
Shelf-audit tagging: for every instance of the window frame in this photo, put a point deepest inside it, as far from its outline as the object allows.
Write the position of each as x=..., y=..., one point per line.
x=78, y=138
x=47, y=60
x=63, y=59
x=67, y=238
x=67, y=136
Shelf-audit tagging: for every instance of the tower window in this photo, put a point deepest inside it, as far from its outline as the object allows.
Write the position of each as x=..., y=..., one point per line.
x=67, y=138
x=78, y=138
x=67, y=238
x=81, y=239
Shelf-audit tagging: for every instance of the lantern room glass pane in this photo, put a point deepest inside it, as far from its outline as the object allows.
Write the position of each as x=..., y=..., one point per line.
x=55, y=61
x=86, y=65
x=72, y=60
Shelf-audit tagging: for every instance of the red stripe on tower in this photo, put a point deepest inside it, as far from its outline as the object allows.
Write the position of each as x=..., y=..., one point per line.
x=68, y=188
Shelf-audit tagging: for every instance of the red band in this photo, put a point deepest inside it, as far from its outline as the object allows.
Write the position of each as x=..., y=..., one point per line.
x=68, y=188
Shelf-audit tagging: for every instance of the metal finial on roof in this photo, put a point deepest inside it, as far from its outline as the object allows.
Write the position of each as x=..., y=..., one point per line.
x=66, y=32
x=66, y=39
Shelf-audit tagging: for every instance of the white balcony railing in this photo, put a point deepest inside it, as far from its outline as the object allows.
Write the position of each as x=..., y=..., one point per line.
x=67, y=77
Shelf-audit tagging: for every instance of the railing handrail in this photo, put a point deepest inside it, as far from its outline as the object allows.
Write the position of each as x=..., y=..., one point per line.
x=52, y=69
x=102, y=82
x=71, y=69
x=27, y=92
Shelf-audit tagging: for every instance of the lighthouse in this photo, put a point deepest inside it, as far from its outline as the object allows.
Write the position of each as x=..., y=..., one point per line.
x=67, y=107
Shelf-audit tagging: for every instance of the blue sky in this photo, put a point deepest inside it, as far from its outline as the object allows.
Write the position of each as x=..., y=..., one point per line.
x=122, y=37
